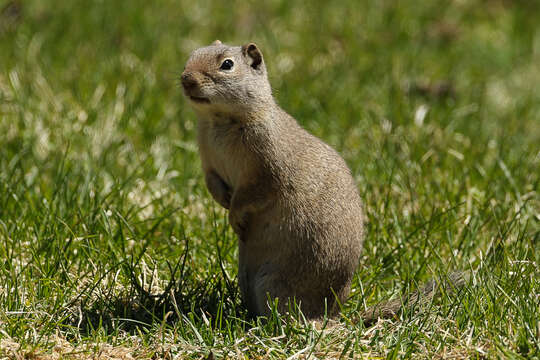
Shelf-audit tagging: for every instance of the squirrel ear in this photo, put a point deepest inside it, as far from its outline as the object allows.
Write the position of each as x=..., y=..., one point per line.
x=254, y=55
x=217, y=42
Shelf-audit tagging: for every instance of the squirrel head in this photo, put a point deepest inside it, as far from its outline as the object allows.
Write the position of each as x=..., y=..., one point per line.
x=226, y=78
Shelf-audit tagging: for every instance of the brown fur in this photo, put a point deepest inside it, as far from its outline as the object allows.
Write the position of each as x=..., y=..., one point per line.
x=292, y=200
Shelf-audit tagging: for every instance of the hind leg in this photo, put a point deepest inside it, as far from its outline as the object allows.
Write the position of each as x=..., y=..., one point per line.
x=314, y=301
x=269, y=284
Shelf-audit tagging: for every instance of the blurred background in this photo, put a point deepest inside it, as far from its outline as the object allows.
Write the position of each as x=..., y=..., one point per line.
x=103, y=75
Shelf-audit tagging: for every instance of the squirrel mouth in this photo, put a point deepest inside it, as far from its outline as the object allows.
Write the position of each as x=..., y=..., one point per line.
x=199, y=99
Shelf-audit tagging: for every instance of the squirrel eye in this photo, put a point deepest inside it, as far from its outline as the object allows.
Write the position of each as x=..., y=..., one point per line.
x=227, y=64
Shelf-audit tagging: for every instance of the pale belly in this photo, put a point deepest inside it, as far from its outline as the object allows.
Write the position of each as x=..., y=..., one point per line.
x=231, y=162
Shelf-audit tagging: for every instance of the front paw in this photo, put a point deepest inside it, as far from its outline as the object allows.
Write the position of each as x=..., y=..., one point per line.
x=239, y=224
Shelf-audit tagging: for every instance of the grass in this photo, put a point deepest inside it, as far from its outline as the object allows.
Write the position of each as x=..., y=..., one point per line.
x=111, y=245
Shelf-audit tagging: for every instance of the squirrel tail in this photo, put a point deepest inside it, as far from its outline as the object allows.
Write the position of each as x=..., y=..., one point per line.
x=390, y=309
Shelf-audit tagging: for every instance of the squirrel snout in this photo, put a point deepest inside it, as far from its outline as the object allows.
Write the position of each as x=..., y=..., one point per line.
x=188, y=81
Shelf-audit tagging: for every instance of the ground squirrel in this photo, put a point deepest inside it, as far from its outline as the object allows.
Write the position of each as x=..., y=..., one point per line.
x=291, y=198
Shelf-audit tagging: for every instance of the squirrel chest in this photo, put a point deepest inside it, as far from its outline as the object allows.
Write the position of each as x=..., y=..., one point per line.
x=222, y=149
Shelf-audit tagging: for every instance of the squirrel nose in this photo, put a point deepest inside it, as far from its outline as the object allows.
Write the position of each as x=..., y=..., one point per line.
x=188, y=81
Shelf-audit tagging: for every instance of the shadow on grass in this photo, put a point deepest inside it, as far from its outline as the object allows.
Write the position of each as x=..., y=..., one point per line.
x=215, y=299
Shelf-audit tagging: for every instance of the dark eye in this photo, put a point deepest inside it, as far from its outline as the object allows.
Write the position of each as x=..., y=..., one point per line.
x=227, y=65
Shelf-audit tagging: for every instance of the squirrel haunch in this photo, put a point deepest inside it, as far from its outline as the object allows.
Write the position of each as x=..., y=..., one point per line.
x=291, y=198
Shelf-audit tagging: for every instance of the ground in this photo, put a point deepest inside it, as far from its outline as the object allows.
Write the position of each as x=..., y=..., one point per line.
x=111, y=246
